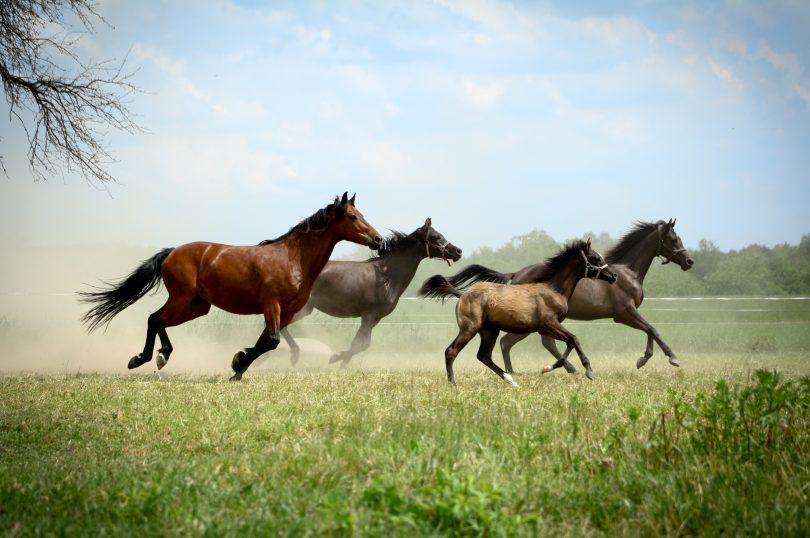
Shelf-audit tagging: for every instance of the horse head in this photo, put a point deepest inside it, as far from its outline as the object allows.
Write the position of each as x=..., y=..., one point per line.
x=350, y=225
x=595, y=265
x=670, y=246
x=436, y=246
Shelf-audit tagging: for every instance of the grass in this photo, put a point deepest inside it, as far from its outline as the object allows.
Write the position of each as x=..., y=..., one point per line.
x=719, y=446
x=393, y=453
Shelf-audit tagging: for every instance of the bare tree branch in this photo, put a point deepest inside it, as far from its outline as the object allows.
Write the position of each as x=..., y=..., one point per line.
x=71, y=108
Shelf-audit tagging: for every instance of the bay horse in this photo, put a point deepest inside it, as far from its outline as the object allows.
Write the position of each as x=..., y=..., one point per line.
x=631, y=258
x=273, y=278
x=370, y=290
x=486, y=308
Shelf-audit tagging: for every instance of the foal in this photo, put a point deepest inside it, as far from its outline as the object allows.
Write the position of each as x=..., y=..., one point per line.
x=487, y=308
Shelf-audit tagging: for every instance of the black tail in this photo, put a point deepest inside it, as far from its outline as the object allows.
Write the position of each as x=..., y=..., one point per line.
x=116, y=297
x=437, y=287
x=478, y=273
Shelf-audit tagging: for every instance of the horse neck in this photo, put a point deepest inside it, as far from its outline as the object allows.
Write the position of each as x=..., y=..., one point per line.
x=565, y=280
x=640, y=256
x=400, y=267
x=313, y=251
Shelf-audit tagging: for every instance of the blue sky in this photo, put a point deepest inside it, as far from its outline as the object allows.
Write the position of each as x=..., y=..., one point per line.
x=493, y=118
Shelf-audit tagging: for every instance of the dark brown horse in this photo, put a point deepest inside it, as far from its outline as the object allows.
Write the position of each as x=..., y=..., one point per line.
x=370, y=290
x=273, y=278
x=486, y=308
x=631, y=258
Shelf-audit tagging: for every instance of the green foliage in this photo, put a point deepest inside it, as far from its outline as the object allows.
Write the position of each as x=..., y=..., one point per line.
x=783, y=270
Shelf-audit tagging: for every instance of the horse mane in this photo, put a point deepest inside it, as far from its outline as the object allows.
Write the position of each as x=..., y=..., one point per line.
x=552, y=266
x=316, y=222
x=393, y=243
x=628, y=241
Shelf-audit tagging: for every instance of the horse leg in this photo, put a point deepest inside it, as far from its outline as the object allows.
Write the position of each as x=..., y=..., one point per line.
x=488, y=339
x=268, y=341
x=632, y=318
x=175, y=312
x=295, y=350
x=551, y=346
x=453, y=350
x=561, y=333
x=507, y=341
x=361, y=341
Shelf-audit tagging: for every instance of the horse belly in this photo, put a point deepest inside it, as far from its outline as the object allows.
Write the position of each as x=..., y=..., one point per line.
x=591, y=300
x=514, y=313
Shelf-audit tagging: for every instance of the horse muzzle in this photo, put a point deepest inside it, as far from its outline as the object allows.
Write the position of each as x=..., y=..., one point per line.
x=374, y=241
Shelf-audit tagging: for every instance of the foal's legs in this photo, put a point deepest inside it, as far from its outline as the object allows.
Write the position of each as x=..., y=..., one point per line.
x=488, y=339
x=561, y=333
x=452, y=351
x=268, y=341
x=510, y=339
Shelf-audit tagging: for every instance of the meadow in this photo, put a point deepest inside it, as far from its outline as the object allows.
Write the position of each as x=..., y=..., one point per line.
x=386, y=447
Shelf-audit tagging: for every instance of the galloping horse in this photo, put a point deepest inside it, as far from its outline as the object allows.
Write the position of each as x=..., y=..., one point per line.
x=370, y=290
x=273, y=278
x=631, y=258
x=486, y=308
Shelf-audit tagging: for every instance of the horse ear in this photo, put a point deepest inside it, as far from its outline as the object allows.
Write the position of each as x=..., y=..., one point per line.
x=351, y=200
x=344, y=199
x=428, y=223
x=588, y=244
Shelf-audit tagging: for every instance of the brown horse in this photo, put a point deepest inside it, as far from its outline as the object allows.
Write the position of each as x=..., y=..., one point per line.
x=273, y=278
x=486, y=308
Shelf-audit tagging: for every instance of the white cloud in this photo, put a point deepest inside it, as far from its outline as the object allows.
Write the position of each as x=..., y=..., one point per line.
x=362, y=79
x=724, y=73
x=216, y=164
x=482, y=94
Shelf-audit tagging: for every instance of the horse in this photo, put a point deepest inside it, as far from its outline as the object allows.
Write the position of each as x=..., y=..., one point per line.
x=631, y=258
x=273, y=278
x=370, y=290
x=486, y=308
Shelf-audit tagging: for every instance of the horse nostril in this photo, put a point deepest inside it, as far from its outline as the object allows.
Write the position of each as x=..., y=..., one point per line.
x=690, y=262
x=378, y=240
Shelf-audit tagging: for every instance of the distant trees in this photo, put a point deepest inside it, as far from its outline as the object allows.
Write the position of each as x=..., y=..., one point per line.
x=755, y=270
x=63, y=104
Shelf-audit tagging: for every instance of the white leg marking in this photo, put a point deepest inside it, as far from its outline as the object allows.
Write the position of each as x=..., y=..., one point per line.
x=508, y=379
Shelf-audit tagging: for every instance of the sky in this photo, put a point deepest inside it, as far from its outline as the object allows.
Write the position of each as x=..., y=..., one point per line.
x=492, y=118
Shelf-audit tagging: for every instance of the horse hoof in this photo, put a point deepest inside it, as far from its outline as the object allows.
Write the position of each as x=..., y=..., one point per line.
x=674, y=362
x=161, y=360
x=547, y=368
x=136, y=361
x=334, y=358
x=508, y=379
x=641, y=361
x=589, y=374
x=236, y=377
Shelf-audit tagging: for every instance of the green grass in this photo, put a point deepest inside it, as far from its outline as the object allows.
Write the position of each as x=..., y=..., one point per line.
x=719, y=446
x=395, y=453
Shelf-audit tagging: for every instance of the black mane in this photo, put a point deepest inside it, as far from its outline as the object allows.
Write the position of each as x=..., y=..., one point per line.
x=629, y=240
x=553, y=265
x=314, y=223
x=393, y=243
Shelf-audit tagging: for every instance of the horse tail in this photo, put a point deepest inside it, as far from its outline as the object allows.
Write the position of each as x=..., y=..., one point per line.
x=115, y=297
x=478, y=273
x=438, y=287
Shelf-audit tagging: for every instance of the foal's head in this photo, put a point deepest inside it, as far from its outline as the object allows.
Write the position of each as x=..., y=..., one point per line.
x=595, y=265
x=350, y=225
x=671, y=247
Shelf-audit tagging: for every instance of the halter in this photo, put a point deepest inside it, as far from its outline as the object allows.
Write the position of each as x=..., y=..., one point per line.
x=589, y=265
x=675, y=251
x=442, y=248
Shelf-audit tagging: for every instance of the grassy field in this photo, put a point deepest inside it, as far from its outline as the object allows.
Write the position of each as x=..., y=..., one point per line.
x=719, y=446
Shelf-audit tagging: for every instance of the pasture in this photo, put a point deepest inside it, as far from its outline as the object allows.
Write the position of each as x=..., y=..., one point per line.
x=719, y=446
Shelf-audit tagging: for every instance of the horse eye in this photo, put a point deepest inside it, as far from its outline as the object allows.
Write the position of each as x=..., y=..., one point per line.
x=352, y=217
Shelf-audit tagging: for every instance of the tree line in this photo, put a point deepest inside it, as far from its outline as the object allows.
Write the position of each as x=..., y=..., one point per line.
x=754, y=271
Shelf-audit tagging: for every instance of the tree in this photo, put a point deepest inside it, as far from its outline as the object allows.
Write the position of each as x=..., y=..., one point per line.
x=63, y=104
